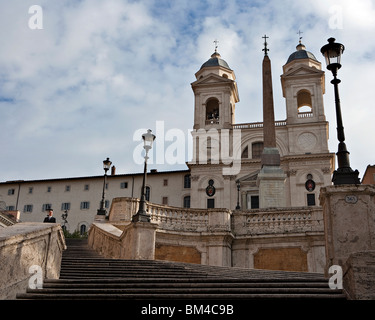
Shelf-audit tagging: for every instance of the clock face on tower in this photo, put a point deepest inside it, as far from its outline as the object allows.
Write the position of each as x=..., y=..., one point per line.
x=306, y=141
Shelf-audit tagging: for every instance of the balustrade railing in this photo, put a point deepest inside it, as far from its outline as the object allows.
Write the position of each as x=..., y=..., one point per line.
x=256, y=221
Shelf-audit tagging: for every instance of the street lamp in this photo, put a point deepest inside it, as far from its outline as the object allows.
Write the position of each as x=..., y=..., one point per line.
x=238, y=183
x=106, y=166
x=344, y=173
x=141, y=215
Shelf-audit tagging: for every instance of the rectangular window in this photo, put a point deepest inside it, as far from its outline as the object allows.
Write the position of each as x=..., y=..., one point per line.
x=65, y=206
x=28, y=208
x=86, y=187
x=254, y=202
x=187, y=202
x=210, y=203
x=49, y=189
x=106, y=204
x=46, y=206
x=123, y=185
x=85, y=205
x=311, y=199
x=30, y=190
x=67, y=188
x=10, y=192
x=11, y=208
x=187, y=181
x=147, y=193
x=165, y=182
x=165, y=200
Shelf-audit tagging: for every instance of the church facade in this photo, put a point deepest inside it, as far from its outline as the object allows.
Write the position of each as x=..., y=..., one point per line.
x=232, y=165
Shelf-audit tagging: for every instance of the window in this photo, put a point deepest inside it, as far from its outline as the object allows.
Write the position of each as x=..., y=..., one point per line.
x=254, y=202
x=86, y=187
x=28, y=208
x=165, y=182
x=67, y=188
x=187, y=202
x=85, y=205
x=165, y=200
x=30, y=190
x=147, y=193
x=106, y=204
x=257, y=150
x=49, y=189
x=46, y=206
x=82, y=229
x=10, y=208
x=245, y=153
x=187, y=181
x=65, y=206
x=11, y=192
x=212, y=111
x=311, y=199
x=210, y=203
x=123, y=185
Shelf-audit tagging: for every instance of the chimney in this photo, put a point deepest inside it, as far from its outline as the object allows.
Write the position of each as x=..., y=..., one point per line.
x=113, y=171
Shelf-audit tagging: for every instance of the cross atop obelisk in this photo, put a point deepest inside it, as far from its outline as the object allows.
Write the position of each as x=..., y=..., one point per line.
x=265, y=45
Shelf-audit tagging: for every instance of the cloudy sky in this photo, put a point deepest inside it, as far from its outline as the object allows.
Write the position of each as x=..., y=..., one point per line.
x=99, y=73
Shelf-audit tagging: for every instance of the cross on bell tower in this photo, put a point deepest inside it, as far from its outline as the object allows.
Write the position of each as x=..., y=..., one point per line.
x=216, y=44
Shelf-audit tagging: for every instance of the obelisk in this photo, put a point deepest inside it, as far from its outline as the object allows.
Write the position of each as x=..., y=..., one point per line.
x=271, y=178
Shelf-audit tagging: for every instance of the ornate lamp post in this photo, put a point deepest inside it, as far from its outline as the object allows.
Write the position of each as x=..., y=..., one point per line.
x=344, y=173
x=238, y=183
x=106, y=166
x=141, y=215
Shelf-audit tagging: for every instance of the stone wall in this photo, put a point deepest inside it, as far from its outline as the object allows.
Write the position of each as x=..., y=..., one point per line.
x=24, y=245
x=358, y=272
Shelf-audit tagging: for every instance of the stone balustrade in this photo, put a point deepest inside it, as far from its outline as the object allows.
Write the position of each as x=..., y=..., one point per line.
x=273, y=221
x=248, y=222
x=173, y=218
x=253, y=125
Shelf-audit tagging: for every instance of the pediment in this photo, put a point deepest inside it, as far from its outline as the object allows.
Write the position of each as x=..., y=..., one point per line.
x=212, y=78
x=251, y=177
x=303, y=70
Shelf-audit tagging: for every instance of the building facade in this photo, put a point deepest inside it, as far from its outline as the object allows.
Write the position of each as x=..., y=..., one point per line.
x=224, y=169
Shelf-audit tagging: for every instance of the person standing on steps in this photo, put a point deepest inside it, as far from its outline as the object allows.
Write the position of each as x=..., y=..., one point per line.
x=50, y=217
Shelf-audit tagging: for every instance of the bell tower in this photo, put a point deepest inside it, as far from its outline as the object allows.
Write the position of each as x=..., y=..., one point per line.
x=215, y=93
x=303, y=86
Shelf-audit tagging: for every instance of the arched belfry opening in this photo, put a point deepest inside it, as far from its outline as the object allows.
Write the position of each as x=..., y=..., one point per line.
x=212, y=111
x=304, y=102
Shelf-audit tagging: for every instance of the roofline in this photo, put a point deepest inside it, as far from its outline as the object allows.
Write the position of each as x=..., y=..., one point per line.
x=93, y=177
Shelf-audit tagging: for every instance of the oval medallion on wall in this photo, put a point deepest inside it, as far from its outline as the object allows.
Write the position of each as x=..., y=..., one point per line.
x=210, y=190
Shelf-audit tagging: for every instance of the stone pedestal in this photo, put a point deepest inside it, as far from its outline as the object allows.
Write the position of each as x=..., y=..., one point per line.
x=349, y=221
x=271, y=183
x=138, y=241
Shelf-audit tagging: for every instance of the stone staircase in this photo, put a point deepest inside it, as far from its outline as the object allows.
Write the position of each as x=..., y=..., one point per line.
x=87, y=275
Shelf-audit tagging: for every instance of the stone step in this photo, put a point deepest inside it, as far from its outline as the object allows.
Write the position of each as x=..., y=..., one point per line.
x=183, y=296
x=177, y=290
x=183, y=283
